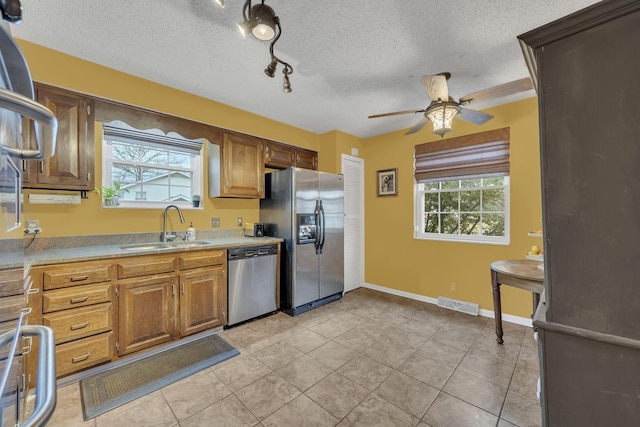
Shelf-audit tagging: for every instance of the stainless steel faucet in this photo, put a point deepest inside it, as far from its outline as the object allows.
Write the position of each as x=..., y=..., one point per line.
x=169, y=237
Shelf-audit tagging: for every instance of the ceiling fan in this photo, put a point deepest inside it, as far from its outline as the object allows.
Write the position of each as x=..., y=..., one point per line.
x=442, y=109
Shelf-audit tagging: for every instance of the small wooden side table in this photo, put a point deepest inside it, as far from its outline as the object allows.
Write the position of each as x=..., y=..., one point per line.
x=523, y=274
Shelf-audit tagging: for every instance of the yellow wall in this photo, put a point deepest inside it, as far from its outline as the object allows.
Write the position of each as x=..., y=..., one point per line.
x=394, y=259
x=58, y=69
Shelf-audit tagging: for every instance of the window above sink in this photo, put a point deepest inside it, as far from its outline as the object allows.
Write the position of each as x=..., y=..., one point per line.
x=152, y=168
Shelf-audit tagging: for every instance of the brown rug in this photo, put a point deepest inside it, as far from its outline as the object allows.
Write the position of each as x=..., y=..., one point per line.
x=108, y=390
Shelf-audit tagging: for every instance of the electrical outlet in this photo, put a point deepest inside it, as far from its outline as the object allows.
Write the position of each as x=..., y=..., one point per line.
x=33, y=227
x=215, y=222
x=239, y=221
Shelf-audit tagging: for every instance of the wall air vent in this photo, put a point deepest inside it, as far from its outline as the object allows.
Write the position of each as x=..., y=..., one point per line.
x=457, y=305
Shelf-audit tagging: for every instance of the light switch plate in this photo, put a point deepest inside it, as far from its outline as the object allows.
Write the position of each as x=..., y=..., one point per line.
x=215, y=222
x=239, y=221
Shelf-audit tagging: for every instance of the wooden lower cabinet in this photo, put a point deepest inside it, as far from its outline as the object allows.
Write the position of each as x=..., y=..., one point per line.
x=77, y=355
x=147, y=312
x=203, y=297
x=69, y=325
x=105, y=309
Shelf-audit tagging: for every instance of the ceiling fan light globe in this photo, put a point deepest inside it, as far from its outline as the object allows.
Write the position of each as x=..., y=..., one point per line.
x=442, y=118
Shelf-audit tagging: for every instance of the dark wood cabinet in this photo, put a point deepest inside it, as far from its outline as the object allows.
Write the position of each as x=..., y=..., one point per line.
x=236, y=166
x=587, y=69
x=147, y=312
x=203, y=299
x=72, y=165
x=281, y=156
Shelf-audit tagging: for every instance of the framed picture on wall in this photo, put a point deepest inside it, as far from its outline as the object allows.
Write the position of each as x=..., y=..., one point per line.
x=387, y=182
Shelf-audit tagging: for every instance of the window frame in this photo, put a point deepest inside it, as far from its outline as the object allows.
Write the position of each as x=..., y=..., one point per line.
x=419, y=213
x=195, y=168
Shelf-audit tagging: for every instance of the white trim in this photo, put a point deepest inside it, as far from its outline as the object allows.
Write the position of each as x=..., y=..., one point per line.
x=349, y=244
x=484, y=313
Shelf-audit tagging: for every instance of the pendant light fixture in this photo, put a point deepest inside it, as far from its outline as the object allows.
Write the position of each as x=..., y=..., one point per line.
x=442, y=117
x=261, y=21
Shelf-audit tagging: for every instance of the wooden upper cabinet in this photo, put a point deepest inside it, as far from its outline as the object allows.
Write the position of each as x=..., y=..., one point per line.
x=306, y=159
x=280, y=156
x=72, y=165
x=236, y=166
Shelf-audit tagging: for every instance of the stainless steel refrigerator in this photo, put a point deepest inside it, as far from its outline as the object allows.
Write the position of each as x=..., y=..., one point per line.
x=306, y=209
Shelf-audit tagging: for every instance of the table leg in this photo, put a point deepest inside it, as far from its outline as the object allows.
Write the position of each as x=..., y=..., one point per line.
x=497, y=307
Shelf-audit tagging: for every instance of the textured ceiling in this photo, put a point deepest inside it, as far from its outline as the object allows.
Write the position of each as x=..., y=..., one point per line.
x=351, y=59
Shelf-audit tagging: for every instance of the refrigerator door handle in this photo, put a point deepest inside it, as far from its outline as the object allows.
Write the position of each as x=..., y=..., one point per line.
x=316, y=213
x=322, y=227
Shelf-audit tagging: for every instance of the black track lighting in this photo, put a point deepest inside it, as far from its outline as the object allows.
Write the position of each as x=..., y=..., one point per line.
x=261, y=21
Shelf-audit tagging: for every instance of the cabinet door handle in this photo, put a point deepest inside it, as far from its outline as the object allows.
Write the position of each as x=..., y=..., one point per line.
x=182, y=288
x=41, y=166
x=27, y=345
x=78, y=300
x=173, y=290
x=79, y=278
x=79, y=326
x=76, y=359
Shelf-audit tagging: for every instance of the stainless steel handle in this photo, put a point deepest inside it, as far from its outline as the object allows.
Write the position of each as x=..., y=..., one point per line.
x=46, y=376
x=322, y=228
x=316, y=214
x=46, y=124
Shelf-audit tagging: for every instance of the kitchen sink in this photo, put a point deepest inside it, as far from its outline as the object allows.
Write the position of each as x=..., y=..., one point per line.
x=160, y=245
x=145, y=246
x=191, y=244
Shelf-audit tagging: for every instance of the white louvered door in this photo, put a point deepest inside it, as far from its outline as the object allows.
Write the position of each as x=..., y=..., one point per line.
x=353, y=171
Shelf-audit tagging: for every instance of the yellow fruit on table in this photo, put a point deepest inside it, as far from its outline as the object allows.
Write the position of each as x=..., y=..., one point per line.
x=535, y=249
x=532, y=253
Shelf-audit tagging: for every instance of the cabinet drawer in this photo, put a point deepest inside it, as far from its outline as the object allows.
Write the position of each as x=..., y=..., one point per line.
x=81, y=354
x=145, y=266
x=201, y=259
x=76, y=274
x=11, y=282
x=77, y=296
x=80, y=322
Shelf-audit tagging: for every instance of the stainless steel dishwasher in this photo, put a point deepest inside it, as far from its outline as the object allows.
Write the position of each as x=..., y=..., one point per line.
x=252, y=282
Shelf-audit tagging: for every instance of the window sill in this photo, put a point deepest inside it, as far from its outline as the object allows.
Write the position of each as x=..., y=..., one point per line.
x=462, y=239
x=160, y=206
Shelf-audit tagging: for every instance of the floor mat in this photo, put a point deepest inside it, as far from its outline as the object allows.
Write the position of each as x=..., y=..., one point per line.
x=108, y=390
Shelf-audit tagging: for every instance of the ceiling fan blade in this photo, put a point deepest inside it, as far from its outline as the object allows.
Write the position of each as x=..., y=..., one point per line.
x=436, y=87
x=396, y=113
x=499, y=91
x=418, y=125
x=473, y=116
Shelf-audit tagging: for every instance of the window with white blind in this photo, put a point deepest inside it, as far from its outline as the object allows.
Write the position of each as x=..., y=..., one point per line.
x=462, y=188
x=152, y=169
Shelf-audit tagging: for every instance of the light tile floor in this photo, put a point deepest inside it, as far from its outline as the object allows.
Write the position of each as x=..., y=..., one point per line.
x=369, y=359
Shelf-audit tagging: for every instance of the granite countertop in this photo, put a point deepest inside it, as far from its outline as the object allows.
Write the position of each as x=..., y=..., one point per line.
x=86, y=248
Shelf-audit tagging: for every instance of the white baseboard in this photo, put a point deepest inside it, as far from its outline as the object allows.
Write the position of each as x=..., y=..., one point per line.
x=485, y=313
